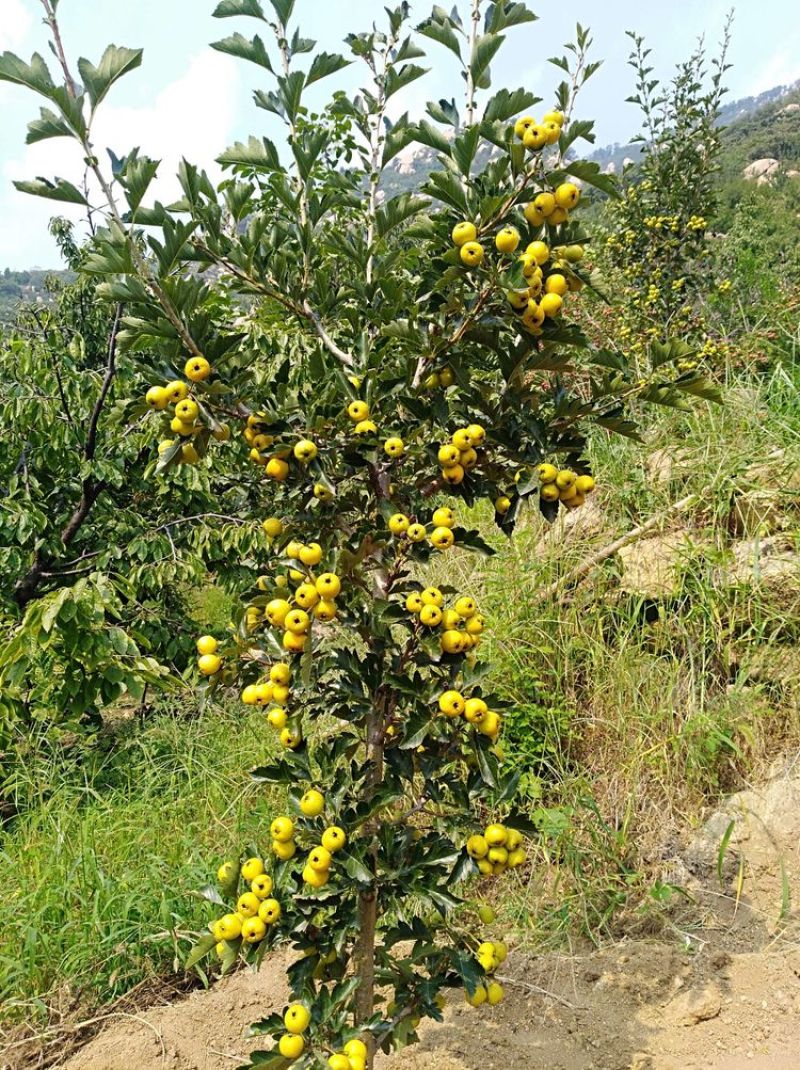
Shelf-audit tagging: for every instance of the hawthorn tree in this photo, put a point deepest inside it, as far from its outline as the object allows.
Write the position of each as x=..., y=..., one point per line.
x=381, y=364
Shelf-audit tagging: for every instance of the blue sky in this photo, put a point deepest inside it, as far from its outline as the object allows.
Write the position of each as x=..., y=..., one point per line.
x=189, y=100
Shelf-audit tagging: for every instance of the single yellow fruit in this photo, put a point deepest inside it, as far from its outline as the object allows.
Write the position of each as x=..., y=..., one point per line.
x=269, y=911
x=311, y=555
x=475, y=625
x=502, y=504
x=247, y=905
x=297, y=622
x=290, y=738
x=553, y=117
x=187, y=410
x=567, y=195
x=179, y=427
x=278, y=717
x=305, y=450
x=282, y=829
x=514, y=839
x=471, y=254
x=500, y=950
x=565, y=479
x=559, y=216
x=556, y=284
x=339, y=1062
x=486, y=914
x=585, y=484
x=277, y=611
x=478, y=997
x=291, y=1046
x=431, y=616
x=452, y=642
x=394, y=447
x=448, y=454
x=495, y=835
x=229, y=927
x=416, y=532
x=312, y=803
x=333, y=839
x=208, y=664
x=442, y=538
x=432, y=596
x=399, y=523
x=157, y=397
x=316, y=878
x=284, y=851
x=463, y=233
x=443, y=517
x=252, y=868
x=534, y=138
x=549, y=492
x=276, y=468
x=465, y=607
x=475, y=709
x=547, y=473
x=320, y=859
x=453, y=474
x=498, y=854
x=477, y=847
x=306, y=595
x=272, y=526
x=358, y=411
x=226, y=872
x=323, y=493
x=207, y=644
x=451, y=703
x=328, y=585
x=189, y=454
x=365, y=427
x=507, y=240
x=325, y=610
x=296, y=1018
x=446, y=377
x=552, y=132
x=533, y=215
x=197, y=369
x=539, y=252
x=261, y=886
x=522, y=124
x=494, y=993
x=414, y=602
x=280, y=673
x=551, y=304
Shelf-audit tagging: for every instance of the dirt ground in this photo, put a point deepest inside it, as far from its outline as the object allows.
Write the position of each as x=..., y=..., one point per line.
x=720, y=992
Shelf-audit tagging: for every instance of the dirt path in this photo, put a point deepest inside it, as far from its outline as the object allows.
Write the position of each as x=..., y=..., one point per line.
x=723, y=995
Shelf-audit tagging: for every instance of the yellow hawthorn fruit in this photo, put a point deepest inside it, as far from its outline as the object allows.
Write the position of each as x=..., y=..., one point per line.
x=486, y=914
x=276, y=611
x=516, y=858
x=206, y=644
x=291, y=1046
x=559, y=216
x=247, y=905
x=208, y=664
x=475, y=625
x=290, y=738
x=339, y=1062
x=565, y=479
x=468, y=459
x=522, y=124
x=221, y=948
x=518, y=299
x=323, y=493
x=187, y=410
x=165, y=444
x=334, y=838
x=293, y=548
x=279, y=693
x=585, y=484
x=355, y=1049
x=280, y=673
x=282, y=829
x=325, y=610
x=494, y=994
x=495, y=835
x=414, y=602
x=451, y=703
x=284, y=851
x=328, y=585
x=549, y=492
x=538, y=251
x=358, y=411
x=262, y=442
x=452, y=642
x=431, y=616
x=448, y=454
x=306, y=596
x=450, y=619
x=296, y=1018
x=394, y=447
x=471, y=254
x=552, y=132
x=573, y=253
x=465, y=607
x=276, y=468
x=269, y=911
x=463, y=233
x=554, y=117
x=533, y=215
x=475, y=709
x=189, y=454
x=320, y=859
x=485, y=867
x=316, y=878
x=416, y=532
x=514, y=839
x=547, y=473
x=477, y=434
x=432, y=381
x=197, y=369
x=277, y=717
x=312, y=803
x=226, y=872
x=478, y=997
x=500, y=950
x=534, y=138
x=446, y=377
x=556, y=284
x=507, y=240
x=533, y=316
x=444, y=517
x=442, y=538
x=177, y=390
x=551, y=304
x=432, y=596
x=489, y=725
x=567, y=195
x=252, y=868
x=461, y=441
x=311, y=555
x=398, y=524
x=179, y=427
x=502, y=504
x=544, y=203
x=534, y=285
x=273, y=527
x=297, y=621
x=498, y=855
x=261, y=886
x=305, y=450
x=229, y=927
x=157, y=398
x=453, y=474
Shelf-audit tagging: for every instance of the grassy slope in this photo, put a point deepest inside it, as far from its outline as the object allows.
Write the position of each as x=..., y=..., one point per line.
x=647, y=710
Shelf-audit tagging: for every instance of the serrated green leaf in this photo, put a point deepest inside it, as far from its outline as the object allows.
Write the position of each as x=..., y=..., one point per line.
x=59, y=190
x=244, y=48
x=114, y=63
x=227, y=8
x=442, y=32
x=258, y=153
x=200, y=950
x=485, y=49
x=324, y=64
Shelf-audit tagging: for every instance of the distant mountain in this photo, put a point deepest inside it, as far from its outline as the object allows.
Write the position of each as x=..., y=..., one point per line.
x=24, y=287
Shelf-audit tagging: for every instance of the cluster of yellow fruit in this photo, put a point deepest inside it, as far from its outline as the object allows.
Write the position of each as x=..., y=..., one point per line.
x=284, y=846
x=274, y=690
x=256, y=909
x=460, y=454
x=292, y=1044
x=441, y=537
x=496, y=850
x=475, y=711
x=184, y=422
x=461, y=625
x=563, y=486
x=549, y=278
x=358, y=411
x=536, y=135
x=315, y=595
x=208, y=661
x=443, y=378
x=490, y=955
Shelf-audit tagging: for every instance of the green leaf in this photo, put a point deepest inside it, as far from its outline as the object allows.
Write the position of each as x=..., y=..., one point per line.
x=34, y=75
x=443, y=111
x=357, y=870
x=252, y=50
x=442, y=32
x=226, y=8
x=200, y=950
x=269, y=1060
x=48, y=125
x=399, y=77
x=429, y=135
x=483, y=52
x=588, y=171
x=258, y=153
x=503, y=14
x=397, y=211
x=323, y=64
x=114, y=63
x=60, y=190
x=283, y=9
x=671, y=351
x=505, y=104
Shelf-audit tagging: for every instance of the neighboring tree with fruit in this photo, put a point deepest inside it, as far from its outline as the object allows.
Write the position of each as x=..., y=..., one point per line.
x=382, y=365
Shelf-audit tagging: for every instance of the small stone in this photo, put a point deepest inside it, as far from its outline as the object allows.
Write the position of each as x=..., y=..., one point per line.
x=698, y=1006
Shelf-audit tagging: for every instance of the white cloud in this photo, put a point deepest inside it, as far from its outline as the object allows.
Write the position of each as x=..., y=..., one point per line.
x=192, y=117
x=782, y=68
x=15, y=23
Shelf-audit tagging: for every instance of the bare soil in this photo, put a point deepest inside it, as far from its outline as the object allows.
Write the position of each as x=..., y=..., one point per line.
x=720, y=992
